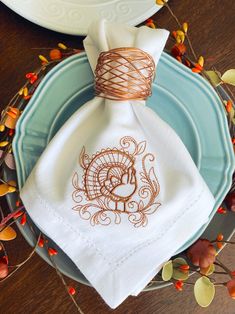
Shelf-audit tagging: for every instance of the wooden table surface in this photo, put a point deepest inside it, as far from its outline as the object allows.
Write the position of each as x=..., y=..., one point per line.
x=36, y=288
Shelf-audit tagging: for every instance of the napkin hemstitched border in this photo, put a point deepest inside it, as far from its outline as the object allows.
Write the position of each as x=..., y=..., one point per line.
x=124, y=258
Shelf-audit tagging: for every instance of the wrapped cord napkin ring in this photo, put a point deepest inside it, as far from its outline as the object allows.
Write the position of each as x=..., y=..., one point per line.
x=124, y=74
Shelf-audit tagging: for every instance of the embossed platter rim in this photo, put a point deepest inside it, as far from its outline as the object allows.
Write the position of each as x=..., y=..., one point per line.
x=72, y=17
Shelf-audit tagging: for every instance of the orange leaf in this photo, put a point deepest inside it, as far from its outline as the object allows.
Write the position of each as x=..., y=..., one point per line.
x=7, y=234
x=4, y=189
x=12, y=117
x=3, y=268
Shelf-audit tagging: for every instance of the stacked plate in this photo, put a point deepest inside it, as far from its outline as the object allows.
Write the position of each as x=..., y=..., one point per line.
x=182, y=98
x=74, y=16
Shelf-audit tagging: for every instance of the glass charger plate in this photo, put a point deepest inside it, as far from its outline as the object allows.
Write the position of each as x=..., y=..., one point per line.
x=183, y=99
x=73, y=17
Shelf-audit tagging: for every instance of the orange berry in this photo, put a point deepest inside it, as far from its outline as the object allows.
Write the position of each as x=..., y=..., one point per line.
x=179, y=59
x=198, y=66
x=18, y=214
x=233, y=273
x=71, y=290
x=55, y=54
x=187, y=63
x=231, y=288
x=179, y=285
x=196, y=70
x=178, y=50
x=23, y=219
x=52, y=252
x=41, y=242
x=27, y=97
x=221, y=210
x=11, y=132
x=184, y=267
x=219, y=237
x=33, y=79
x=174, y=34
x=219, y=245
x=229, y=106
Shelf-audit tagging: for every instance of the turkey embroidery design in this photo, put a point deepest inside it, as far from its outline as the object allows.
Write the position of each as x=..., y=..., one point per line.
x=116, y=182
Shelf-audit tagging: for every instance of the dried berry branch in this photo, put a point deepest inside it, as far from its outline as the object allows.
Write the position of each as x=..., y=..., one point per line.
x=62, y=279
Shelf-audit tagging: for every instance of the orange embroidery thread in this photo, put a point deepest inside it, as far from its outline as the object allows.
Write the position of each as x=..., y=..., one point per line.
x=110, y=185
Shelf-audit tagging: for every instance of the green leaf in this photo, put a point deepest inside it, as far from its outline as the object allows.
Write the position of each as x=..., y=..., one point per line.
x=229, y=77
x=167, y=271
x=214, y=76
x=177, y=273
x=204, y=291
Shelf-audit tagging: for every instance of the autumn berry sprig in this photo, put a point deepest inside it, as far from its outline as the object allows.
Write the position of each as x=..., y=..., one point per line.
x=9, y=118
x=197, y=65
x=202, y=259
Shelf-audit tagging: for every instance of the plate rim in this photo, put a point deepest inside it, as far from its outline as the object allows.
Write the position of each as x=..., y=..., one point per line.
x=218, y=107
x=83, y=31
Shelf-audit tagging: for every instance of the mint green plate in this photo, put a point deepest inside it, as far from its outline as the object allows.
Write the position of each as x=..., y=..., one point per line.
x=181, y=98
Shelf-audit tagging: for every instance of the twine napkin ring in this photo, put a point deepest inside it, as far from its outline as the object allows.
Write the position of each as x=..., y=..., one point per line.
x=124, y=74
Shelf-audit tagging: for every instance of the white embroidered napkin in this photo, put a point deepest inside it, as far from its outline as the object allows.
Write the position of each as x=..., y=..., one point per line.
x=116, y=188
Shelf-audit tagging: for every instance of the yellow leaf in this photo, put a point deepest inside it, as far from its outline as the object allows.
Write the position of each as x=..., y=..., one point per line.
x=229, y=77
x=204, y=291
x=25, y=91
x=180, y=36
x=160, y=2
x=214, y=77
x=167, y=271
x=43, y=59
x=62, y=46
x=20, y=92
x=4, y=143
x=185, y=27
x=7, y=234
x=2, y=127
x=201, y=61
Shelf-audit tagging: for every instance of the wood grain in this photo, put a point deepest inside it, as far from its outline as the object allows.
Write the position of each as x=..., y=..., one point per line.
x=36, y=288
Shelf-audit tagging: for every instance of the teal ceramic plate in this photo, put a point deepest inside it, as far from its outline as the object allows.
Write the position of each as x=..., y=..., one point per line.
x=183, y=99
